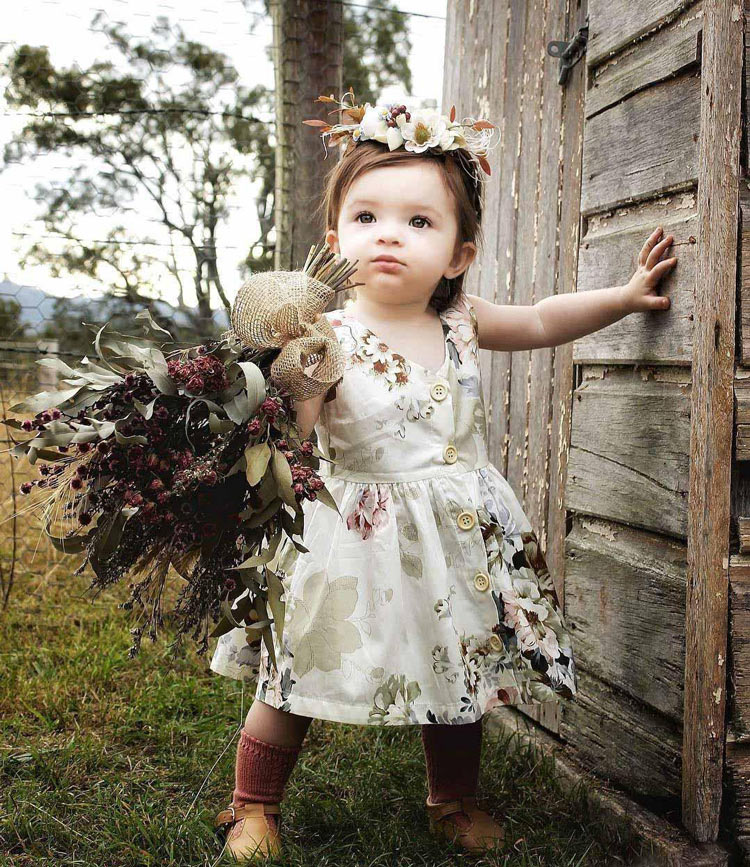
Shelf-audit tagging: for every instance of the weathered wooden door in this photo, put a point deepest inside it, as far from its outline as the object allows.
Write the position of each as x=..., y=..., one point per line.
x=619, y=444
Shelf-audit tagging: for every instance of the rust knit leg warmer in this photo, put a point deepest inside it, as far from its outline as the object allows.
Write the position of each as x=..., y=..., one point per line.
x=261, y=770
x=452, y=755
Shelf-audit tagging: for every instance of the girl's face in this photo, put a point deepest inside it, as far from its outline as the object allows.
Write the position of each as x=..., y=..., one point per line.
x=405, y=211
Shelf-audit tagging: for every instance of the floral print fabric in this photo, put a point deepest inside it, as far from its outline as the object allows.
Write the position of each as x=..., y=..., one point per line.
x=429, y=600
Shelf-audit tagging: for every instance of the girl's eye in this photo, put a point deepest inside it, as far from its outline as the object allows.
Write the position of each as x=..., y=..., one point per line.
x=368, y=214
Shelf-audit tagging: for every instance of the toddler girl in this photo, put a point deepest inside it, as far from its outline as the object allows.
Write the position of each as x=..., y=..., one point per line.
x=430, y=602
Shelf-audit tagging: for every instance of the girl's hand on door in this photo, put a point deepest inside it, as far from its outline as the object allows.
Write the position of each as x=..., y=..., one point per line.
x=640, y=294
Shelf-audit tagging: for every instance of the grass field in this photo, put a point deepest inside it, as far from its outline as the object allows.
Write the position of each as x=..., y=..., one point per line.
x=107, y=761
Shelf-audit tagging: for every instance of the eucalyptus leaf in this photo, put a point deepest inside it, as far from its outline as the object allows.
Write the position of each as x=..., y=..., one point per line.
x=162, y=381
x=268, y=641
x=238, y=408
x=283, y=475
x=147, y=409
x=70, y=544
x=275, y=592
x=255, y=384
x=127, y=440
x=265, y=556
x=257, y=625
x=269, y=511
x=324, y=495
x=154, y=326
x=222, y=627
x=219, y=425
x=44, y=400
x=256, y=459
x=104, y=429
x=98, y=346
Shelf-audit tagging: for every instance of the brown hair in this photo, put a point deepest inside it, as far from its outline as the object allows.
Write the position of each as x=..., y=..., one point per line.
x=457, y=166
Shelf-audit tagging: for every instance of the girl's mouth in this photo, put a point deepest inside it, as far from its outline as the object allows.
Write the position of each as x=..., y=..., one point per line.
x=386, y=265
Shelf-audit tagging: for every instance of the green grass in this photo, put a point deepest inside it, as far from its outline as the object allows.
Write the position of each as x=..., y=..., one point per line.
x=106, y=761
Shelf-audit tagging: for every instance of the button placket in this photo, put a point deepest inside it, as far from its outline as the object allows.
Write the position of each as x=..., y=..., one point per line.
x=482, y=581
x=466, y=520
x=439, y=391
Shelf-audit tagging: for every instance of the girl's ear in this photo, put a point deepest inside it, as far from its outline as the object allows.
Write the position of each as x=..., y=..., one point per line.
x=332, y=239
x=461, y=260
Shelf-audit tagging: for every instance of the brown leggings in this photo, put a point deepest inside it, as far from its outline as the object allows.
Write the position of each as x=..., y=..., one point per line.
x=271, y=740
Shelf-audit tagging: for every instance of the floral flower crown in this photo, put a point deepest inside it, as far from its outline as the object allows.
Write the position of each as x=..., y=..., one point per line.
x=417, y=131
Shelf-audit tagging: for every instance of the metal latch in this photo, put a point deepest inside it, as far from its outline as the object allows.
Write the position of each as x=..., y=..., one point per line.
x=569, y=52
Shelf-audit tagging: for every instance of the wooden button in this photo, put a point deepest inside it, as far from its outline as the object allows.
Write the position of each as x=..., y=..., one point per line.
x=439, y=391
x=466, y=520
x=450, y=454
x=481, y=580
x=496, y=643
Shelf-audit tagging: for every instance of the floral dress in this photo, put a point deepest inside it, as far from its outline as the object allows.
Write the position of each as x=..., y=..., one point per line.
x=428, y=600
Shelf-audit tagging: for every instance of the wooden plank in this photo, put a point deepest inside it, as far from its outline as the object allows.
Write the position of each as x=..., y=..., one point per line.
x=742, y=418
x=711, y=417
x=629, y=448
x=491, y=32
x=522, y=413
x=621, y=740
x=609, y=257
x=738, y=785
x=744, y=266
x=625, y=602
x=628, y=831
x=673, y=49
x=542, y=439
x=739, y=654
x=571, y=135
x=645, y=146
x=614, y=25
x=499, y=406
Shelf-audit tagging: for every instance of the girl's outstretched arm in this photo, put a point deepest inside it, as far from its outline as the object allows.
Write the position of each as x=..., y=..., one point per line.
x=562, y=318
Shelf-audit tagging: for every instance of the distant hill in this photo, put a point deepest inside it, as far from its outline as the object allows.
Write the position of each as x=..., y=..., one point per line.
x=37, y=307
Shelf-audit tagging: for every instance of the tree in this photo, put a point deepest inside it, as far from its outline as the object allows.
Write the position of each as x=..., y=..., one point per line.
x=174, y=128
x=10, y=319
x=178, y=146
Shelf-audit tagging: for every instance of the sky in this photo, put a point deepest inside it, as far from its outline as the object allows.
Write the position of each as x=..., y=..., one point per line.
x=224, y=25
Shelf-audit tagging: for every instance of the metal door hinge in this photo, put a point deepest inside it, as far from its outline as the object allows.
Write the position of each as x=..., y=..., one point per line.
x=569, y=52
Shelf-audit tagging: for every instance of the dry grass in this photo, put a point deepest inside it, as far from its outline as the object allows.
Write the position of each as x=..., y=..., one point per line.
x=106, y=761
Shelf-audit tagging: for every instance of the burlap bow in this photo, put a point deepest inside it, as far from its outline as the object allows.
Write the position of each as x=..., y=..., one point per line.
x=284, y=309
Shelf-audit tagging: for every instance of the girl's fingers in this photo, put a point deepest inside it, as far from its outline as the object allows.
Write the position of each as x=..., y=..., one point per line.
x=651, y=240
x=656, y=253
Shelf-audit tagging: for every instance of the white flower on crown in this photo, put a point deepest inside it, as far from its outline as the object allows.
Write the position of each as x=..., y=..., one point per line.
x=374, y=126
x=428, y=129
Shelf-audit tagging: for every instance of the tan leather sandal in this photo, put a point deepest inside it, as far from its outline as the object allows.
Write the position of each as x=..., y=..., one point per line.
x=481, y=834
x=248, y=833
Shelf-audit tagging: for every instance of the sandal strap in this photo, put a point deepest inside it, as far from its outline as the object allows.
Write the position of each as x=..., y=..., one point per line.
x=439, y=811
x=233, y=814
